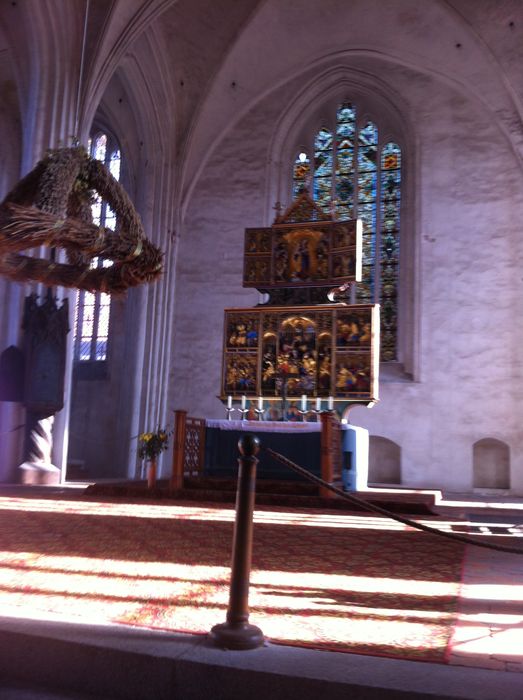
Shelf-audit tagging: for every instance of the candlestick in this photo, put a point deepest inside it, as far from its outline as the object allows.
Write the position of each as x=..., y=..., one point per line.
x=243, y=412
x=260, y=410
x=303, y=411
x=317, y=409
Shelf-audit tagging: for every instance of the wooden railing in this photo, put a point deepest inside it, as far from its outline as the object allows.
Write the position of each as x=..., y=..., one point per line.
x=330, y=451
x=189, y=447
x=194, y=446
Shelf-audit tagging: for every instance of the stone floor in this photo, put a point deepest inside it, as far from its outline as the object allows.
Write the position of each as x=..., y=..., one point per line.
x=53, y=661
x=490, y=629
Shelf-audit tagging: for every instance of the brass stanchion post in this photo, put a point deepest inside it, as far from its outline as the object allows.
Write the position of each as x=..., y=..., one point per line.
x=236, y=632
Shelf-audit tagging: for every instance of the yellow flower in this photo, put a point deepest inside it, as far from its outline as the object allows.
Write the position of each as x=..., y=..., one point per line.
x=151, y=444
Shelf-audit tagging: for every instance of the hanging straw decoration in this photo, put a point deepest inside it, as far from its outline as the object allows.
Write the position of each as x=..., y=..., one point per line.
x=51, y=206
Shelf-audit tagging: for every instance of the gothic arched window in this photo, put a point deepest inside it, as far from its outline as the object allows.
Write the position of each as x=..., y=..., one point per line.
x=91, y=327
x=356, y=174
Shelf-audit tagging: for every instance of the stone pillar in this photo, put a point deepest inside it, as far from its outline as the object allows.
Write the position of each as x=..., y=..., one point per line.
x=46, y=327
x=38, y=468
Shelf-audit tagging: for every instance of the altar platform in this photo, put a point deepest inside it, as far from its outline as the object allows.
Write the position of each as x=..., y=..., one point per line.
x=205, y=467
x=289, y=494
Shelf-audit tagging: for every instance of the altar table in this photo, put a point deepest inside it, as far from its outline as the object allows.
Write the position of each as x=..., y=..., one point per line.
x=298, y=441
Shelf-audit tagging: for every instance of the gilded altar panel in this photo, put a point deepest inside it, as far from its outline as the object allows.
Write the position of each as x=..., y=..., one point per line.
x=307, y=254
x=320, y=351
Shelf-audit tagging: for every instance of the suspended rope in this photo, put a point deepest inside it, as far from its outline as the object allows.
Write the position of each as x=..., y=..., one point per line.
x=81, y=76
x=383, y=511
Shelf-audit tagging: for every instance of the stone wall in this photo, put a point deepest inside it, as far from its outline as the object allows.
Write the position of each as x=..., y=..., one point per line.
x=210, y=121
x=461, y=327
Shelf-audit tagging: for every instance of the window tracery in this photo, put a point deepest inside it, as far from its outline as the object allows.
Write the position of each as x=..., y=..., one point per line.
x=93, y=310
x=356, y=174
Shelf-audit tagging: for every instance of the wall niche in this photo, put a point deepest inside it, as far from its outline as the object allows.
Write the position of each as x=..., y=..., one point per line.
x=491, y=464
x=384, y=461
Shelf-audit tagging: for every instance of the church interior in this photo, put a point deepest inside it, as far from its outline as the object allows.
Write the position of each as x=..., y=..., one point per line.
x=307, y=210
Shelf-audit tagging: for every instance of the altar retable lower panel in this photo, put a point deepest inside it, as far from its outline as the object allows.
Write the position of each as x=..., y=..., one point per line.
x=317, y=351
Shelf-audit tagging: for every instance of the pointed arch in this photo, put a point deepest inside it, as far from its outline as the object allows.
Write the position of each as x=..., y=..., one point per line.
x=373, y=139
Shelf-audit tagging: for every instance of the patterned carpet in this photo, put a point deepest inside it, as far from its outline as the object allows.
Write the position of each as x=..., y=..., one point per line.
x=325, y=580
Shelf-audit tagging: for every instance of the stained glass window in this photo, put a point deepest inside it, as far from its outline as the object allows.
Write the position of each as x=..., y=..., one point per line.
x=366, y=208
x=322, y=184
x=93, y=310
x=301, y=173
x=389, y=244
x=356, y=175
x=345, y=130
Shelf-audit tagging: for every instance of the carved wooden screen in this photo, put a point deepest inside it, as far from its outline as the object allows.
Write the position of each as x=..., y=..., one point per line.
x=194, y=446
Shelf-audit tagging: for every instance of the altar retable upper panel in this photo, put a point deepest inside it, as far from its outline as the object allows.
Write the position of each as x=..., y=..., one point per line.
x=303, y=248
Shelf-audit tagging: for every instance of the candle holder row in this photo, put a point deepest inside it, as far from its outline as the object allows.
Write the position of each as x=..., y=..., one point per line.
x=260, y=410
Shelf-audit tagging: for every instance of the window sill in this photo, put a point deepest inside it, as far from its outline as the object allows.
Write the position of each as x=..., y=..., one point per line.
x=394, y=372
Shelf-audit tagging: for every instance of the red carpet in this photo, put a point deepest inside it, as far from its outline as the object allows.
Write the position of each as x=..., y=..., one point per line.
x=326, y=580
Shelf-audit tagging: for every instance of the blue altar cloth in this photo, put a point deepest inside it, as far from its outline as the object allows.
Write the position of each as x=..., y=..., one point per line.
x=299, y=442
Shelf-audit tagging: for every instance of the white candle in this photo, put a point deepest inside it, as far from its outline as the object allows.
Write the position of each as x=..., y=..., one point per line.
x=260, y=403
x=331, y=403
x=229, y=402
x=304, y=402
x=318, y=403
x=244, y=401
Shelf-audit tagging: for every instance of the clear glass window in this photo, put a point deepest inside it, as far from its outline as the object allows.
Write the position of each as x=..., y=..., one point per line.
x=93, y=310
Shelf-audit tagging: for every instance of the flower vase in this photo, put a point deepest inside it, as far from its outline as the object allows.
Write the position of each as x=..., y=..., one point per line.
x=151, y=473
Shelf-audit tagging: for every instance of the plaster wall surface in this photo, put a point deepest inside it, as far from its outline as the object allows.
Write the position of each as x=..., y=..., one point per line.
x=209, y=104
x=283, y=40
x=465, y=246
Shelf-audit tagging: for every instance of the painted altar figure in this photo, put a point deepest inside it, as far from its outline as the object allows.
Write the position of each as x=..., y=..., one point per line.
x=324, y=378
x=297, y=356
x=366, y=335
x=292, y=414
x=240, y=374
x=301, y=260
x=298, y=251
x=345, y=379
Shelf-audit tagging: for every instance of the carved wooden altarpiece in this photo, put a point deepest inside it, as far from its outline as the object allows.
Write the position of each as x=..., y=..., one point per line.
x=303, y=248
x=298, y=343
